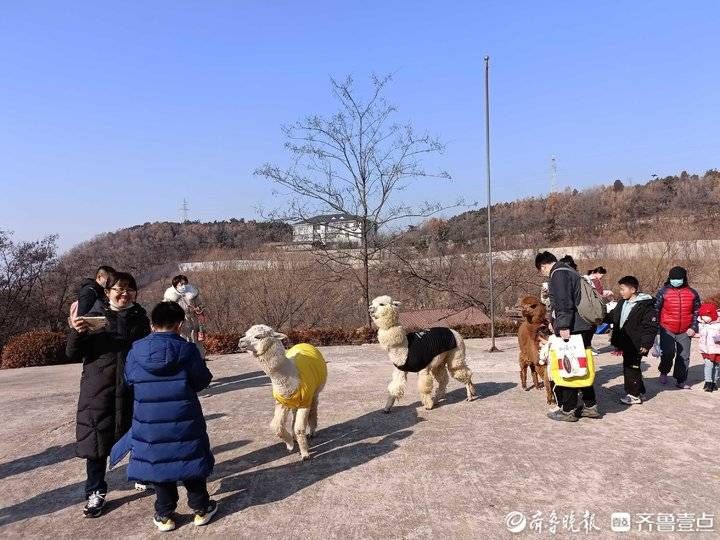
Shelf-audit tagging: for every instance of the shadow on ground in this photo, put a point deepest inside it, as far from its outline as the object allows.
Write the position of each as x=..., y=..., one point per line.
x=49, y=502
x=252, y=379
x=608, y=397
x=335, y=449
x=63, y=497
x=49, y=456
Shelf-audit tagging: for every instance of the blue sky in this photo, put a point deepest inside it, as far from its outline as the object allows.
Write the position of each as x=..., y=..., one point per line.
x=111, y=114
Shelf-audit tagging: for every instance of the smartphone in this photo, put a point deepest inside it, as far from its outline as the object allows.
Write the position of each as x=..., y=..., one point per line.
x=95, y=323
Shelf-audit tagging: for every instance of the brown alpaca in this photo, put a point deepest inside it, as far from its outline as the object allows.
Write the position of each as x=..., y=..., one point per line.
x=531, y=335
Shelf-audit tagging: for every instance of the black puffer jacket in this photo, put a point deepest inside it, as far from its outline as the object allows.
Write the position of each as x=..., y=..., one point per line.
x=104, y=410
x=564, y=289
x=88, y=293
x=640, y=328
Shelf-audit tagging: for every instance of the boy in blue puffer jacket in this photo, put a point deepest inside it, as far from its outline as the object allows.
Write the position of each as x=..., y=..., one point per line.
x=168, y=441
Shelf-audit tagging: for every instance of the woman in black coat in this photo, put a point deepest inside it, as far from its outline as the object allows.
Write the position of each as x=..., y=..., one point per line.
x=104, y=410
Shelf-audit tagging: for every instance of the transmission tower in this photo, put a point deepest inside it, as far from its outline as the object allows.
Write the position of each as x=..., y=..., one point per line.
x=185, y=210
x=553, y=175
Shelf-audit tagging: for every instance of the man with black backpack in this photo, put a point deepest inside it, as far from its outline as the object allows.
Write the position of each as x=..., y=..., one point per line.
x=566, y=297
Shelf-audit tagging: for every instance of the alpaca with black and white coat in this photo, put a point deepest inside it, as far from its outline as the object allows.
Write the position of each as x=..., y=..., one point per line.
x=432, y=354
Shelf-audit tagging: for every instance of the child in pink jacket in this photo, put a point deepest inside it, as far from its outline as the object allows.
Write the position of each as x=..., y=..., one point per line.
x=709, y=335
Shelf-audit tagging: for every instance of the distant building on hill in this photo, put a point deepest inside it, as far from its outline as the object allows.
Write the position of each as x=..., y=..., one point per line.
x=329, y=229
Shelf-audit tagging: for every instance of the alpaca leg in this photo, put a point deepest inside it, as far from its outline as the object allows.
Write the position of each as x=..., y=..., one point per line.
x=425, y=386
x=301, y=424
x=523, y=373
x=396, y=388
x=461, y=372
x=313, y=417
x=540, y=369
x=533, y=371
x=277, y=425
x=549, y=395
x=441, y=377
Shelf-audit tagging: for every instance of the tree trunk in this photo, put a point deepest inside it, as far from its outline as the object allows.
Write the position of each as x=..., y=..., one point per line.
x=366, y=274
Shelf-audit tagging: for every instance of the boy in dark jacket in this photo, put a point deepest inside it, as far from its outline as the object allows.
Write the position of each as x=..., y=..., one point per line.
x=635, y=326
x=168, y=441
x=92, y=290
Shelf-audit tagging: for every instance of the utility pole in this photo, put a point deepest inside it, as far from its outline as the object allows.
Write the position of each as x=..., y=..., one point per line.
x=553, y=175
x=185, y=210
x=493, y=348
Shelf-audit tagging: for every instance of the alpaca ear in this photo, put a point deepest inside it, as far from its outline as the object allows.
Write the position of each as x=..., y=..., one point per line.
x=279, y=336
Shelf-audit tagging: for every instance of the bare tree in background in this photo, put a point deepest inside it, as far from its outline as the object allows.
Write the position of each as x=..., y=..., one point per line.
x=460, y=280
x=22, y=265
x=356, y=162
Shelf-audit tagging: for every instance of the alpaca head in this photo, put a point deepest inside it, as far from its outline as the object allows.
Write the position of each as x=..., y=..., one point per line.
x=532, y=309
x=384, y=312
x=260, y=338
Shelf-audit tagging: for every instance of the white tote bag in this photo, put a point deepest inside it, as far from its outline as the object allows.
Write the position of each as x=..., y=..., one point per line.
x=571, y=356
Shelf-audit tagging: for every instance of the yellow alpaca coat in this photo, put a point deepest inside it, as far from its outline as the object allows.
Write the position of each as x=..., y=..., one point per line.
x=312, y=371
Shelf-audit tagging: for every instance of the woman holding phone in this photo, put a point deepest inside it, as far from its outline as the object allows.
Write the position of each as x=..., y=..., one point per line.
x=104, y=410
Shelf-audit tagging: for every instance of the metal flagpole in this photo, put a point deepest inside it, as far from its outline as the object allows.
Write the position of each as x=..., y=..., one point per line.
x=493, y=348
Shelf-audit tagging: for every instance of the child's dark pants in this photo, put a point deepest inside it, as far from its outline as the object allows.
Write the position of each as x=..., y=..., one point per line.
x=632, y=372
x=96, y=476
x=167, y=496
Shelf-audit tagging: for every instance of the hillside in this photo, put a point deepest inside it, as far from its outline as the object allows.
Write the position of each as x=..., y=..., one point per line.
x=146, y=249
x=680, y=207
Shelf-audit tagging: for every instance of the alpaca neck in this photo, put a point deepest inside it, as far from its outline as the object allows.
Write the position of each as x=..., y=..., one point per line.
x=394, y=341
x=281, y=370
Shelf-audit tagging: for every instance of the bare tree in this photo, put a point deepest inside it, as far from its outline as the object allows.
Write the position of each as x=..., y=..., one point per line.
x=460, y=280
x=22, y=265
x=356, y=163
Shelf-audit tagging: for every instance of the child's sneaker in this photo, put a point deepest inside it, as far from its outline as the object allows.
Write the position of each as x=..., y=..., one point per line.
x=164, y=524
x=708, y=387
x=663, y=378
x=94, y=506
x=203, y=517
x=631, y=400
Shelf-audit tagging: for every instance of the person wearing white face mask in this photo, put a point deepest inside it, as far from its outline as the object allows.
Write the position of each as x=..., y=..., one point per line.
x=188, y=297
x=677, y=305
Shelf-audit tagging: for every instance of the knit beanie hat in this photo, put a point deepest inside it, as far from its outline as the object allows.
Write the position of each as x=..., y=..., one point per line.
x=708, y=310
x=678, y=272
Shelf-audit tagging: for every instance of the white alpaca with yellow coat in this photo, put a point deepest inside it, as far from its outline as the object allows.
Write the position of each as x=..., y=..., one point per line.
x=297, y=376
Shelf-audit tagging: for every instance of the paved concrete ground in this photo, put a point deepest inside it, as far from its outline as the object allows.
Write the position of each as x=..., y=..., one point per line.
x=454, y=472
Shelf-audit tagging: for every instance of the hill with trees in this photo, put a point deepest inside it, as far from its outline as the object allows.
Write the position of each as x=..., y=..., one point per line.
x=682, y=207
